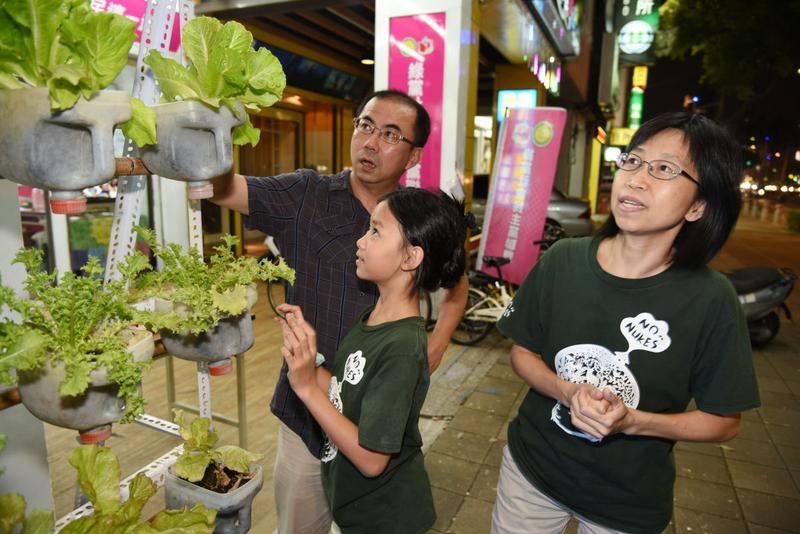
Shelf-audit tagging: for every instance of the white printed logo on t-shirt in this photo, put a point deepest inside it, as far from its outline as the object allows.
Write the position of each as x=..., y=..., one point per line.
x=596, y=365
x=354, y=368
x=329, y=450
x=353, y=373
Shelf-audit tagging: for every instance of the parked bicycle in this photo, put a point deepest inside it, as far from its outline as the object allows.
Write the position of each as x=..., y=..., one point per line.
x=487, y=299
x=489, y=296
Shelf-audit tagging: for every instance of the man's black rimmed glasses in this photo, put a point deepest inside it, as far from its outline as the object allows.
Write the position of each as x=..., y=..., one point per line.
x=390, y=135
x=659, y=169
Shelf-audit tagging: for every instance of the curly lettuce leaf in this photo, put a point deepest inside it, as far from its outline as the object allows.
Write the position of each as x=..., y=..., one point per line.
x=224, y=70
x=78, y=322
x=12, y=511
x=98, y=476
x=236, y=458
x=197, y=39
x=201, y=294
x=141, y=128
x=25, y=351
x=64, y=46
x=246, y=133
x=101, y=41
x=175, y=80
x=39, y=521
x=192, y=466
x=231, y=302
x=98, y=471
x=264, y=72
x=140, y=490
x=31, y=29
x=195, y=520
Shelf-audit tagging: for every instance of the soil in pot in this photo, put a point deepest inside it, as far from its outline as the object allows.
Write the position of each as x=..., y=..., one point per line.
x=220, y=479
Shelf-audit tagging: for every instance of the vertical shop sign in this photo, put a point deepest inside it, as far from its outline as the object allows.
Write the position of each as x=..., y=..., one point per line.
x=635, y=108
x=134, y=10
x=416, y=67
x=522, y=181
x=637, y=23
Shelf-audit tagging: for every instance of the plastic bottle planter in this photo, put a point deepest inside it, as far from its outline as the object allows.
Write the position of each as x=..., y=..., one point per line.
x=194, y=144
x=64, y=152
x=233, y=335
x=91, y=413
x=234, y=509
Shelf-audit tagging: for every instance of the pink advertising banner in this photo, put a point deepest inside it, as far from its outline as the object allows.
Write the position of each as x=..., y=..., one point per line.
x=522, y=180
x=134, y=10
x=416, y=67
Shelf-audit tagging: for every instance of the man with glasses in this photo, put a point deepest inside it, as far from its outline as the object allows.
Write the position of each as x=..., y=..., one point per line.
x=317, y=220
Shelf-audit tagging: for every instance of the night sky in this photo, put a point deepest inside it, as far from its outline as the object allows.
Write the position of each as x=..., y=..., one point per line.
x=774, y=114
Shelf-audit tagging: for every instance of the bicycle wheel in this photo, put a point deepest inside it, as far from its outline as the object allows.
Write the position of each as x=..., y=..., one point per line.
x=474, y=326
x=426, y=309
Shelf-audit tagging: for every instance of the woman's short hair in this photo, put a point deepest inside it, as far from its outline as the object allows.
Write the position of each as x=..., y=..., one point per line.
x=718, y=159
x=435, y=223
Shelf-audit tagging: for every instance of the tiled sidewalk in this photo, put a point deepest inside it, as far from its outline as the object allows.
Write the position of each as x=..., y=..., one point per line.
x=750, y=484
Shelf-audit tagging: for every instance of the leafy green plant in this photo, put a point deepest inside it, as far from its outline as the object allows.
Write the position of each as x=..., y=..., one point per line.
x=98, y=477
x=199, y=454
x=72, y=51
x=77, y=322
x=201, y=293
x=224, y=70
x=12, y=511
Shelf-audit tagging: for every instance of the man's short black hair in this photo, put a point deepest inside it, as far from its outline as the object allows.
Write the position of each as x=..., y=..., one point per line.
x=718, y=159
x=422, y=123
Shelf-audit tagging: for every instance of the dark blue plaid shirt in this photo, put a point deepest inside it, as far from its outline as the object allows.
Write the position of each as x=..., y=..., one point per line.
x=316, y=222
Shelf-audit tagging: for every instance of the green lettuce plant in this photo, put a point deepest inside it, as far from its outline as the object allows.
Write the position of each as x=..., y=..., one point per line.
x=77, y=322
x=199, y=452
x=224, y=70
x=72, y=51
x=202, y=293
x=12, y=512
x=98, y=477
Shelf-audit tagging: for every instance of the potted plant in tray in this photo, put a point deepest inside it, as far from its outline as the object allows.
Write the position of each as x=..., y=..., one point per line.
x=207, y=99
x=223, y=478
x=98, y=478
x=202, y=311
x=78, y=357
x=57, y=134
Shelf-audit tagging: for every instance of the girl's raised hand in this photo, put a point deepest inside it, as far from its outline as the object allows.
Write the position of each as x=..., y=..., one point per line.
x=299, y=349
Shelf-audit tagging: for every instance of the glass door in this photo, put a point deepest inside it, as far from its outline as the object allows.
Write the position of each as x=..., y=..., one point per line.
x=279, y=150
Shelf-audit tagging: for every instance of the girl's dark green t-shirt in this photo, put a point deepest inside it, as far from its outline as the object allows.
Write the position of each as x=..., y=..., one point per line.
x=657, y=342
x=380, y=380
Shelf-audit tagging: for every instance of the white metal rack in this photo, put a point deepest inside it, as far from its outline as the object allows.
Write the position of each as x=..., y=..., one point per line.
x=157, y=26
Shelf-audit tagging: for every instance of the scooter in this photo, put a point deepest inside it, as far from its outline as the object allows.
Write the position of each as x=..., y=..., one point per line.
x=762, y=292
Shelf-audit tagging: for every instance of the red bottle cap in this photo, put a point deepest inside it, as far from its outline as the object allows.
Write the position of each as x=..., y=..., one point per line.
x=70, y=206
x=220, y=367
x=95, y=435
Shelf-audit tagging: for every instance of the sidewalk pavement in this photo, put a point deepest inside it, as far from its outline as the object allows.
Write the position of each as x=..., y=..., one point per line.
x=750, y=484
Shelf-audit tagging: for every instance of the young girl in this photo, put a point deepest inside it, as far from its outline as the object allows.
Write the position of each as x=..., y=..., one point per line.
x=616, y=334
x=369, y=403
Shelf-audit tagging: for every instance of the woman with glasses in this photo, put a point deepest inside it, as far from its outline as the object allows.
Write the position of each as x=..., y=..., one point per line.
x=629, y=343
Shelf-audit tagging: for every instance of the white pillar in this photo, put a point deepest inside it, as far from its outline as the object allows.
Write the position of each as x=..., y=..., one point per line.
x=461, y=34
x=25, y=456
